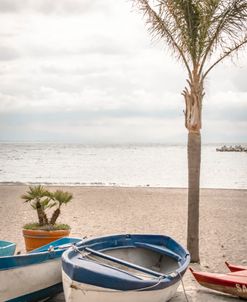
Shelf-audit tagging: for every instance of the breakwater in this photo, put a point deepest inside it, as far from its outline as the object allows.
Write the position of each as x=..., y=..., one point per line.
x=236, y=148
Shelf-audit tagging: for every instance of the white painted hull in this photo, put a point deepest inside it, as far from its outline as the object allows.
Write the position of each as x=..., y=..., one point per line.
x=24, y=280
x=79, y=292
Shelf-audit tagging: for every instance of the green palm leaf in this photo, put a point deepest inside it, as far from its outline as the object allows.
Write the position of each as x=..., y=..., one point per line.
x=62, y=197
x=200, y=33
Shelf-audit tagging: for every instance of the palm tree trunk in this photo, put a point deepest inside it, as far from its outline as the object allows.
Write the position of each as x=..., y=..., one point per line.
x=39, y=213
x=194, y=163
x=193, y=101
x=55, y=216
x=45, y=219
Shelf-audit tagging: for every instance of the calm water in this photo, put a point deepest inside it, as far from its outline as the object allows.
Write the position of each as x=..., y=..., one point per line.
x=149, y=165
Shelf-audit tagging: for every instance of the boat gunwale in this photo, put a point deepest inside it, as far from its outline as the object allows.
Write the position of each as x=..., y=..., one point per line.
x=8, y=244
x=12, y=262
x=7, y=248
x=235, y=268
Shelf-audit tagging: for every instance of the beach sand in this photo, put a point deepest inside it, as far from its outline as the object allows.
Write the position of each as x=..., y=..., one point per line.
x=97, y=211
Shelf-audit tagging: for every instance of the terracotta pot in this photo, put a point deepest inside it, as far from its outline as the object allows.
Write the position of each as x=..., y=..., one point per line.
x=36, y=238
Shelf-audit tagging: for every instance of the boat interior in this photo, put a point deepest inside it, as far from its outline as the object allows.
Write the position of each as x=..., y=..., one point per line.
x=141, y=262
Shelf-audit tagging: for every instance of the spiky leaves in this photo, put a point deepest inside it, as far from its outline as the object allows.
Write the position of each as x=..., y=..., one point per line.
x=195, y=29
x=42, y=200
x=39, y=198
x=60, y=197
x=159, y=24
x=228, y=32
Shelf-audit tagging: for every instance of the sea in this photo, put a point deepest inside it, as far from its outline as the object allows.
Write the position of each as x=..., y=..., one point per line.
x=154, y=165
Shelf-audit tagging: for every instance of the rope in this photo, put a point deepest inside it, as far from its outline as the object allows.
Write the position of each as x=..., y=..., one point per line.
x=181, y=278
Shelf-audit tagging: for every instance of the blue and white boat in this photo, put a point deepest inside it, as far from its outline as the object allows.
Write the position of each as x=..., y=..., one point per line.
x=124, y=268
x=33, y=276
x=7, y=248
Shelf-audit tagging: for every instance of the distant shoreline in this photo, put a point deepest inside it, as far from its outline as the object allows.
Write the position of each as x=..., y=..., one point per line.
x=119, y=144
x=20, y=184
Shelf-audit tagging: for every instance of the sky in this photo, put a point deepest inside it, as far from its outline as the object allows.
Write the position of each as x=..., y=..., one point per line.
x=88, y=71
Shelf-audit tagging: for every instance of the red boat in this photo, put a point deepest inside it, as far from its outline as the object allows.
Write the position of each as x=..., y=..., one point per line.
x=235, y=268
x=233, y=283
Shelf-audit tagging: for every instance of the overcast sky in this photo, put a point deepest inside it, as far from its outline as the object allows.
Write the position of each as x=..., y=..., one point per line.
x=87, y=71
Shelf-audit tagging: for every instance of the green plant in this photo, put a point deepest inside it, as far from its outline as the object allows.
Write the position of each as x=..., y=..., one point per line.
x=60, y=197
x=48, y=227
x=41, y=200
x=201, y=34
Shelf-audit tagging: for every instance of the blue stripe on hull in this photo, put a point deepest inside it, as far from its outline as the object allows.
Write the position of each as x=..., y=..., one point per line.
x=41, y=294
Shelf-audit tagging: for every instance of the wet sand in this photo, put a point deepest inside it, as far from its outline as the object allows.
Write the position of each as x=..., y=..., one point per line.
x=96, y=211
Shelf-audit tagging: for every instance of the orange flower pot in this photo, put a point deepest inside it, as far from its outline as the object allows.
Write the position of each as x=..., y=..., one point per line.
x=37, y=238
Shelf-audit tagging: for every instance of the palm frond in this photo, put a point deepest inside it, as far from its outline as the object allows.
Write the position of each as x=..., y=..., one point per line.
x=227, y=53
x=62, y=197
x=45, y=203
x=195, y=29
x=161, y=26
x=35, y=192
x=227, y=30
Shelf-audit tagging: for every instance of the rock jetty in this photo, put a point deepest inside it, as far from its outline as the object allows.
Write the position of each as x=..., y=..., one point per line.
x=236, y=148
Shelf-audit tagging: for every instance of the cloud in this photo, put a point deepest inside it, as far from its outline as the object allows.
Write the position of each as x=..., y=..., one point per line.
x=101, y=129
x=51, y=7
x=8, y=53
x=226, y=106
x=97, y=101
x=72, y=69
x=101, y=45
x=10, y=6
x=224, y=131
x=239, y=79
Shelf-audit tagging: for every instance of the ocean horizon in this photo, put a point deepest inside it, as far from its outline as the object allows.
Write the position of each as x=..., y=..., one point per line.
x=130, y=165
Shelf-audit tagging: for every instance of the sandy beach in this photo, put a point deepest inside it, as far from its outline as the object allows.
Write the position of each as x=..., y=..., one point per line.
x=107, y=210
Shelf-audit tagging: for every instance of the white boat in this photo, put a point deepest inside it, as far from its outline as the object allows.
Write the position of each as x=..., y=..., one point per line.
x=124, y=268
x=33, y=276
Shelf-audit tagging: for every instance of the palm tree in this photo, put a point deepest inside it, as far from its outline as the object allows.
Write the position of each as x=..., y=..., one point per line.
x=60, y=198
x=39, y=198
x=201, y=33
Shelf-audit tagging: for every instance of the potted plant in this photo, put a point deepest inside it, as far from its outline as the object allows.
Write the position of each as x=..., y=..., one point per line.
x=46, y=229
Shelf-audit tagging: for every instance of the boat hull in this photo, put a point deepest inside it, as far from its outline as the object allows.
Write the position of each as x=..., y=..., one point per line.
x=29, y=279
x=75, y=291
x=34, y=276
x=124, y=268
x=232, y=283
x=236, y=268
